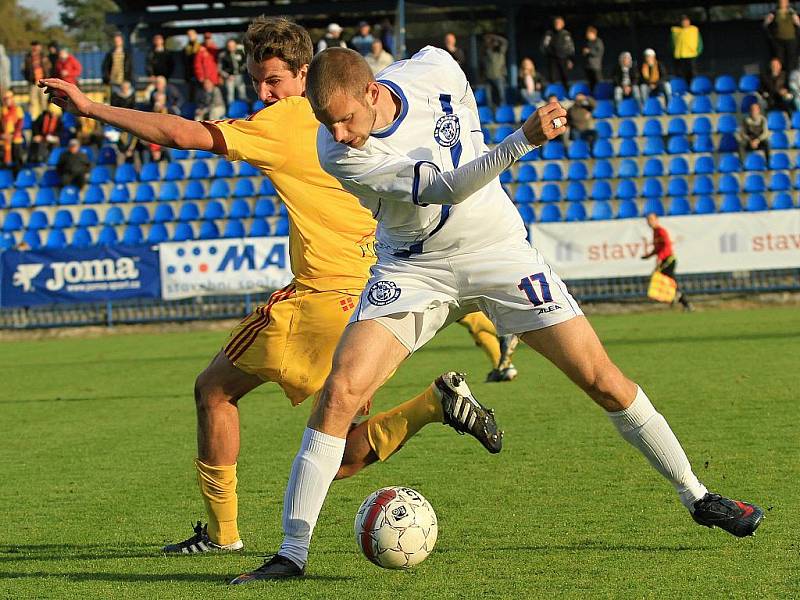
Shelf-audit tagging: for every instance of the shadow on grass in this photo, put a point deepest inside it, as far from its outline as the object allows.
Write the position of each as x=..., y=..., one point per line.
x=216, y=578
x=591, y=546
x=103, y=398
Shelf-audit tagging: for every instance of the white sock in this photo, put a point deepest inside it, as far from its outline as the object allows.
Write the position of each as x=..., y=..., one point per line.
x=313, y=470
x=648, y=431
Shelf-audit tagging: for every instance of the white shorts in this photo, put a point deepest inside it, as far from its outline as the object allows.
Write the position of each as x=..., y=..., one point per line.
x=510, y=283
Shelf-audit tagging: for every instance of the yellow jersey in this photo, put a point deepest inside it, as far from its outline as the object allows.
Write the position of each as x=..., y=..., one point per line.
x=331, y=236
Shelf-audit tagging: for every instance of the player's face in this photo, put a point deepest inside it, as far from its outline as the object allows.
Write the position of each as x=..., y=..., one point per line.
x=349, y=120
x=273, y=80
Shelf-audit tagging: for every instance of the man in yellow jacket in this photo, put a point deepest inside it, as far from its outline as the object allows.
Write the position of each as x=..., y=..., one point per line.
x=687, y=45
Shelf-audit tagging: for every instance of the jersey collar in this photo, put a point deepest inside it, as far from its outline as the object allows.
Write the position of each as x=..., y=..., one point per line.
x=403, y=110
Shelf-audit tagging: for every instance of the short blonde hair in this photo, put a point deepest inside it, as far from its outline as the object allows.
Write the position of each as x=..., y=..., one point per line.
x=336, y=69
x=278, y=37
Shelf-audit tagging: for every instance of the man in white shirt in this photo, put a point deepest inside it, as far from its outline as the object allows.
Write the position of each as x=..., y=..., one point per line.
x=449, y=240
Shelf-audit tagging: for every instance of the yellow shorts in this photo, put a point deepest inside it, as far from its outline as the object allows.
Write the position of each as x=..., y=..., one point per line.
x=291, y=339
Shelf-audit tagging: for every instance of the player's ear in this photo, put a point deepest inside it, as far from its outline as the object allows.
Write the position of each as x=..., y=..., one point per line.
x=302, y=72
x=372, y=92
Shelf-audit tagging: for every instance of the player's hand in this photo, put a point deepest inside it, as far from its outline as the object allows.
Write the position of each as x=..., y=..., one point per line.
x=539, y=127
x=67, y=96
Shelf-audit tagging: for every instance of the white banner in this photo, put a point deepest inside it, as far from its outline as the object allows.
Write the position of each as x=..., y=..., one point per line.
x=701, y=243
x=213, y=267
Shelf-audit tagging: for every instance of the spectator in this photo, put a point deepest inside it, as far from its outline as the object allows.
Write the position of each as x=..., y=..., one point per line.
x=753, y=134
x=558, y=48
x=232, y=67
x=36, y=66
x=11, y=119
x=530, y=82
x=159, y=60
x=625, y=78
x=687, y=45
x=332, y=39
x=73, y=165
x=782, y=26
x=210, y=105
x=775, y=87
x=387, y=35
x=68, y=67
x=494, y=66
x=205, y=66
x=173, y=96
x=665, y=259
x=90, y=133
x=593, y=53
x=362, y=41
x=129, y=149
x=155, y=153
x=190, y=50
x=117, y=64
x=581, y=120
x=124, y=97
x=378, y=59
x=45, y=134
x=210, y=45
x=5, y=70
x=52, y=55
x=654, y=77
x=794, y=88
x=454, y=51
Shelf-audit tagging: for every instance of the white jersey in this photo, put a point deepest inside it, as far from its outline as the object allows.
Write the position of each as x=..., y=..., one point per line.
x=438, y=124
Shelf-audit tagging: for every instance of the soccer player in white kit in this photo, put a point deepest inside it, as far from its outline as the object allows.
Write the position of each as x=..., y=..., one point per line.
x=410, y=147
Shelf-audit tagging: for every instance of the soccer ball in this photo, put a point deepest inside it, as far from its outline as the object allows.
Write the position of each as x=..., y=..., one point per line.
x=396, y=528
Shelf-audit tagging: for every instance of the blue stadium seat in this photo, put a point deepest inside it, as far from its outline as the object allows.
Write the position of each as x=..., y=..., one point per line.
x=653, y=167
x=728, y=143
x=653, y=146
x=730, y=203
x=157, y=234
x=163, y=213
x=627, y=129
x=531, y=155
x=240, y=209
x=626, y=189
x=238, y=109
x=725, y=104
x=180, y=154
x=653, y=107
x=551, y=192
x=139, y=215
x=729, y=163
x=776, y=120
x=6, y=179
x=82, y=238
x=628, y=107
x=678, y=166
x=726, y=124
x=602, y=149
x=259, y=228
x=212, y=211
x=578, y=150
x=224, y=169
x=782, y=201
x=602, y=170
x=50, y=178
x=604, y=90
x=506, y=177
x=653, y=205
x=485, y=114
x=526, y=174
x=652, y=188
x=99, y=175
x=199, y=170
x=169, y=192
x=604, y=109
x=25, y=178
x=194, y=190
x=677, y=106
x=601, y=190
x=756, y=202
x=525, y=211
x=550, y=214
x=505, y=115
x=38, y=220
x=779, y=182
x=125, y=173
x=108, y=236
x=55, y=154
x=107, y=156
x=189, y=212
x=114, y=216
x=628, y=167
x=188, y=110
x=174, y=172
x=749, y=83
x=679, y=207
x=243, y=189
x=728, y=184
x=678, y=144
x=150, y=172
x=796, y=119
x=120, y=193
x=754, y=183
x=132, y=234
x=704, y=205
x=652, y=127
x=144, y=193
x=725, y=84
x=577, y=171
x=701, y=105
x=555, y=89
x=7, y=241
x=579, y=87
x=575, y=212
x=56, y=239
x=677, y=186
x=265, y=207
x=203, y=154
x=704, y=165
x=755, y=161
x=12, y=222
x=503, y=132
x=20, y=199
x=604, y=130
x=601, y=210
x=779, y=161
x=234, y=229
x=702, y=143
x=208, y=230
x=677, y=126
x=527, y=111
x=94, y=194
x=183, y=232
x=552, y=172
x=219, y=189
x=62, y=219
x=703, y=185
x=479, y=93
x=576, y=192
x=627, y=210
x=702, y=126
x=32, y=238
x=554, y=151
x=524, y=194
x=282, y=210
x=778, y=141
x=700, y=85
x=69, y=196
x=747, y=101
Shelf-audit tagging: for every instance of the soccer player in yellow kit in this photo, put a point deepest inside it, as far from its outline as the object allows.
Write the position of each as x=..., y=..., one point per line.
x=289, y=340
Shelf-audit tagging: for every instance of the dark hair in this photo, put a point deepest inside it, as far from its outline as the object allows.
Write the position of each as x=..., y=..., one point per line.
x=278, y=37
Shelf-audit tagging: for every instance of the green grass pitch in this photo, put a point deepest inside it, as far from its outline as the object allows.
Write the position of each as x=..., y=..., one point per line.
x=97, y=442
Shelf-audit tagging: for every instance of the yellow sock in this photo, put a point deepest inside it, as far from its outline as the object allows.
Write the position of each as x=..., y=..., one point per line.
x=389, y=430
x=218, y=487
x=485, y=335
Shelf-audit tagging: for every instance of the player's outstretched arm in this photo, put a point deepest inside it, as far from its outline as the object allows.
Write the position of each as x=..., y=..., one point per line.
x=164, y=130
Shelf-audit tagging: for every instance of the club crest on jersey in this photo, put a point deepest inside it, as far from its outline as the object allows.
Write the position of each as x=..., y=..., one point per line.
x=447, y=131
x=383, y=292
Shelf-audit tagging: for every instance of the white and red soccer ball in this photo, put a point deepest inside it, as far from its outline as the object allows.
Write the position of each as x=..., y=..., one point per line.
x=396, y=528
